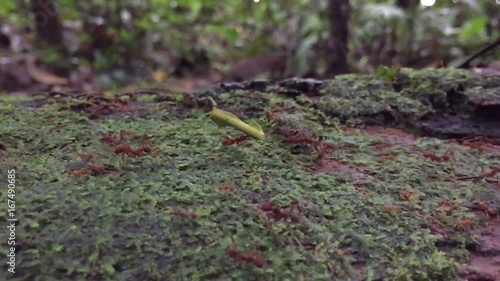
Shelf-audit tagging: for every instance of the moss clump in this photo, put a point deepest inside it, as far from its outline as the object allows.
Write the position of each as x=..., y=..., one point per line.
x=367, y=99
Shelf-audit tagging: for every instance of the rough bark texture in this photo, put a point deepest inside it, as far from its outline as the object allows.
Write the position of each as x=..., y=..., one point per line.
x=338, y=12
x=47, y=23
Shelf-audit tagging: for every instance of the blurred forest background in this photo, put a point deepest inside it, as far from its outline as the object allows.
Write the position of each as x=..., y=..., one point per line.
x=185, y=45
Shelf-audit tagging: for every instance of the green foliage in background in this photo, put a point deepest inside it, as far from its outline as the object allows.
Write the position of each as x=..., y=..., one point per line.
x=7, y=7
x=225, y=31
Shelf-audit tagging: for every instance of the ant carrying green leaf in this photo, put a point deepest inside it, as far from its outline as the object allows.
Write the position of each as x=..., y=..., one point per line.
x=223, y=118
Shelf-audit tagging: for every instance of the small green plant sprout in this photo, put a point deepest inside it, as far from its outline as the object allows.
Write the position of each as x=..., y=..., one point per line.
x=388, y=74
x=223, y=118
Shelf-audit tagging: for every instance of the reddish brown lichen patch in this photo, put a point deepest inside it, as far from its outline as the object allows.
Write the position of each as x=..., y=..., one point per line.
x=387, y=157
x=391, y=209
x=447, y=207
x=381, y=145
x=348, y=129
x=391, y=135
x=359, y=270
x=362, y=190
x=481, y=143
x=485, y=263
x=437, y=227
x=331, y=165
x=357, y=174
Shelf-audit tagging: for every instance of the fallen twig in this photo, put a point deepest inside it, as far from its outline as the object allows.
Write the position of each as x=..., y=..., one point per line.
x=479, y=53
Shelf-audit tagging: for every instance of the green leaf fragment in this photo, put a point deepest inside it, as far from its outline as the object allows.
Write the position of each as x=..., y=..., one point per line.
x=108, y=268
x=223, y=118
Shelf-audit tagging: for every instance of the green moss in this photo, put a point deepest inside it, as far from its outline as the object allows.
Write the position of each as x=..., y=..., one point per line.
x=441, y=78
x=368, y=98
x=121, y=227
x=352, y=85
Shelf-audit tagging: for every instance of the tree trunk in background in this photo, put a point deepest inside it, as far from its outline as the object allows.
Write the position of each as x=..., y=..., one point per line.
x=338, y=13
x=410, y=8
x=49, y=32
x=47, y=24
